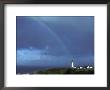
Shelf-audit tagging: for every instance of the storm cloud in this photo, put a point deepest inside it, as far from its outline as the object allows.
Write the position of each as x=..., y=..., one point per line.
x=55, y=39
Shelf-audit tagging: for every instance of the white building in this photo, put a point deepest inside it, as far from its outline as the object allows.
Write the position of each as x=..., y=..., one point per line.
x=81, y=67
x=88, y=67
x=74, y=67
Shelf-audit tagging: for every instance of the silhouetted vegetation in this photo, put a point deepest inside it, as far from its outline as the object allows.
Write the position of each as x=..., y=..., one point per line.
x=65, y=71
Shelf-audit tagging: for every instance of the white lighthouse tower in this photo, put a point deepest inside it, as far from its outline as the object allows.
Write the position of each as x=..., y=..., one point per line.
x=72, y=64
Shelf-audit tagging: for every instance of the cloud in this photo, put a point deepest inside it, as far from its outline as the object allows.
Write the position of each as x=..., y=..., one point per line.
x=55, y=40
x=39, y=56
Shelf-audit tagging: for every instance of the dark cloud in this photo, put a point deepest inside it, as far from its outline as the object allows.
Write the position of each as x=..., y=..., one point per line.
x=61, y=36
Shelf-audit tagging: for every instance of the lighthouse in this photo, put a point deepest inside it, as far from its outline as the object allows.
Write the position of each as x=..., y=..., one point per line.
x=72, y=64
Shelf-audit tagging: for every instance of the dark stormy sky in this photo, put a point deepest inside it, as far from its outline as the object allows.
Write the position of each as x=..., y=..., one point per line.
x=55, y=40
